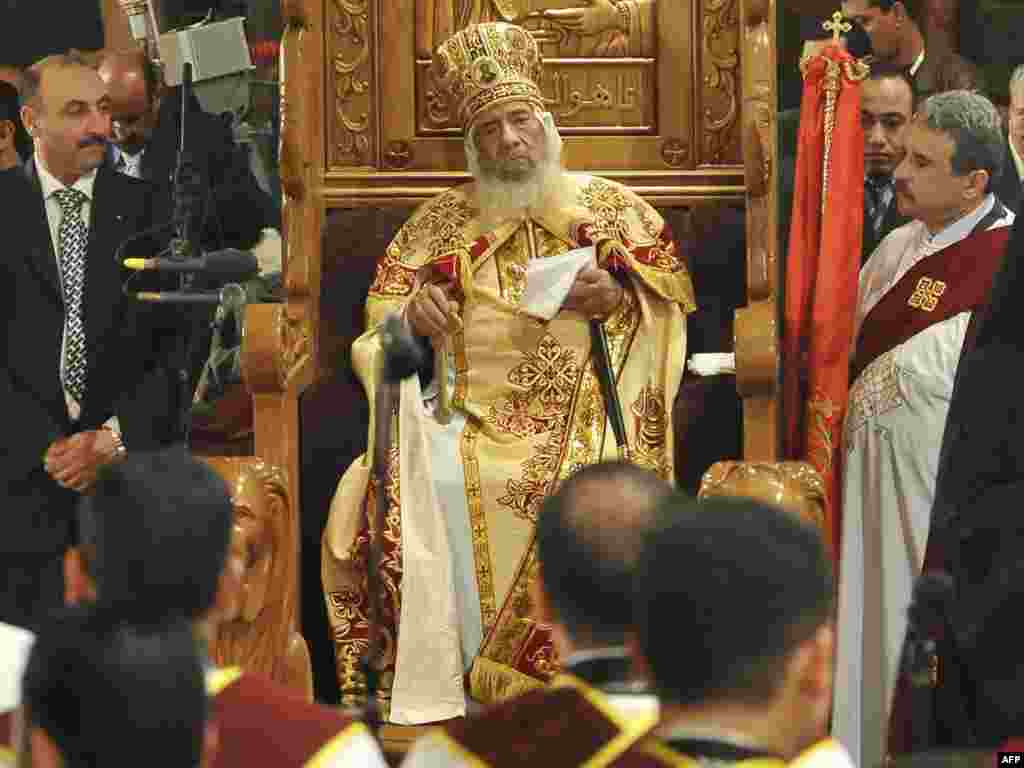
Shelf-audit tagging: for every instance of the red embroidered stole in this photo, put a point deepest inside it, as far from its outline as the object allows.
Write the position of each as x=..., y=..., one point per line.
x=940, y=286
x=261, y=723
x=569, y=724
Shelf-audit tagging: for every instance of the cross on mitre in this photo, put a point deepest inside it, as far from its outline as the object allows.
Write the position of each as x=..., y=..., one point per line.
x=837, y=26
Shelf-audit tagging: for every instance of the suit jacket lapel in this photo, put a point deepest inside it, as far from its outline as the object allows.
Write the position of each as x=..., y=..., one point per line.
x=893, y=219
x=41, y=258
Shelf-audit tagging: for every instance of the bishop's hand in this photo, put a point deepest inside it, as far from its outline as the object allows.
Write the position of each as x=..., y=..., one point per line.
x=433, y=312
x=594, y=293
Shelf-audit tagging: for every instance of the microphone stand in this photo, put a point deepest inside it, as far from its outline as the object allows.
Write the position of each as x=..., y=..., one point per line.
x=183, y=246
x=402, y=356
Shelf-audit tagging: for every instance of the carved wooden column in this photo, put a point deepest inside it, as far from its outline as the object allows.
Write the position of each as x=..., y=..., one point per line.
x=257, y=630
x=279, y=350
x=757, y=324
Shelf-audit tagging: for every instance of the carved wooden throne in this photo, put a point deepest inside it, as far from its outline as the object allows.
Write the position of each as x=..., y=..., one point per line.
x=663, y=100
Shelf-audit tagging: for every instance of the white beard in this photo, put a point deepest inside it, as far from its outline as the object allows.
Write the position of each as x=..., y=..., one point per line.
x=546, y=186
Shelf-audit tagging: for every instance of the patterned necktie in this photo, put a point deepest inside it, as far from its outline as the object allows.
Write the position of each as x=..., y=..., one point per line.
x=73, y=237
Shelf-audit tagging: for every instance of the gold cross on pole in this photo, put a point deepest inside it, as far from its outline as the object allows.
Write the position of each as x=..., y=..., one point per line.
x=837, y=26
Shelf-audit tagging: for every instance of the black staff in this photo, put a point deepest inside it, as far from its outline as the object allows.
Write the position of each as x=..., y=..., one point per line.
x=402, y=356
x=606, y=378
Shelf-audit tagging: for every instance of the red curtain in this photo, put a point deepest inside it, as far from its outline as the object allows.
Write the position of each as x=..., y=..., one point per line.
x=823, y=260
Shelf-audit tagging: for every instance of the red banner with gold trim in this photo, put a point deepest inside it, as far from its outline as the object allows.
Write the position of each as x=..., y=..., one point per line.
x=823, y=260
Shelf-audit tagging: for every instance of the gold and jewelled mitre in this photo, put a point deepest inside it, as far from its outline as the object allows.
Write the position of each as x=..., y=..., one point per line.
x=488, y=64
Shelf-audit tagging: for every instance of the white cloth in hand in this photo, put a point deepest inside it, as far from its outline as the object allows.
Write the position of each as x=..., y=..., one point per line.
x=712, y=363
x=548, y=281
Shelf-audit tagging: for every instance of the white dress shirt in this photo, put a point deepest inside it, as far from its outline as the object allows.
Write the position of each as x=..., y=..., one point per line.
x=50, y=184
x=130, y=165
x=15, y=644
x=1018, y=162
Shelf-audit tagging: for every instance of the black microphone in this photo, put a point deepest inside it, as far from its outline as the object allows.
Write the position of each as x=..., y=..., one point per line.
x=404, y=354
x=177, y=297
x=230, y=264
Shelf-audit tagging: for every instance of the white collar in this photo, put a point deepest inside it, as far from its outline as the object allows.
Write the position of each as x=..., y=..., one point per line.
x=917, y=63
x=589, y=654
x=707, y=732
x=1018, y=161
x=51, y=183
x=959, y=229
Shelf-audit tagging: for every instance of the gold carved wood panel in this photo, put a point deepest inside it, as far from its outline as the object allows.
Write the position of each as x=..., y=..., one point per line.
x=644, y=91
x=756, y=326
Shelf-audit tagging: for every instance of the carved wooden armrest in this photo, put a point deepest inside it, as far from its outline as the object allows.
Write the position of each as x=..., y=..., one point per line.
x=792, y=485
x=256, y=610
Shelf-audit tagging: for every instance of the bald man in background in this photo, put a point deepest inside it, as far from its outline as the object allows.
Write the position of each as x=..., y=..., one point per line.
x=235, y=212
x=146, y=125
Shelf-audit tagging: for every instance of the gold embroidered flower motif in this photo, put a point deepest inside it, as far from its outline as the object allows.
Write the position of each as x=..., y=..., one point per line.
x=548, y=377
x=608, y=204
x=524, y=496
x=549, y=374
x=440, y=225
x=650, y=426
x=821, y=418
x=393, y=278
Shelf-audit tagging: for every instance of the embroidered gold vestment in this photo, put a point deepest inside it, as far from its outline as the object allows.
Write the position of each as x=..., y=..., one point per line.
x=528, y=399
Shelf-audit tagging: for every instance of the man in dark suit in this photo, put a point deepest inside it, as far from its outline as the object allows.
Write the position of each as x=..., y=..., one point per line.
x=13, y=139
x=84, y=374
x=1009, y=187
x=897, y=41
x=146, y=124
x=977, y=531
x=233, y=211
x=887, y=104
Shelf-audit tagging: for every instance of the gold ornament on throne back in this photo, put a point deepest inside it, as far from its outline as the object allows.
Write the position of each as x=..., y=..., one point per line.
x=599, y=56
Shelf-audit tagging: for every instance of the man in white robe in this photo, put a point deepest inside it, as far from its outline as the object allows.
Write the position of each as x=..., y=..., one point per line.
x=918, y=294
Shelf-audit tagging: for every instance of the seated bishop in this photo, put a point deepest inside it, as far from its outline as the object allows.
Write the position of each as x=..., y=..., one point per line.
x=506, y=281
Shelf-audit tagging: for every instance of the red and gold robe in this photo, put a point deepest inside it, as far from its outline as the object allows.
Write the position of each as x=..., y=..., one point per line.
x=520, y=407
x=260, y=723
x=569, y=723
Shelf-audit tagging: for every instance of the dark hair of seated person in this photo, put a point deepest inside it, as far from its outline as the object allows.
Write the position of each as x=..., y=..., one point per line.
x=106, y=695
x=589, y=535
x=726, y=589
x=154, y=535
